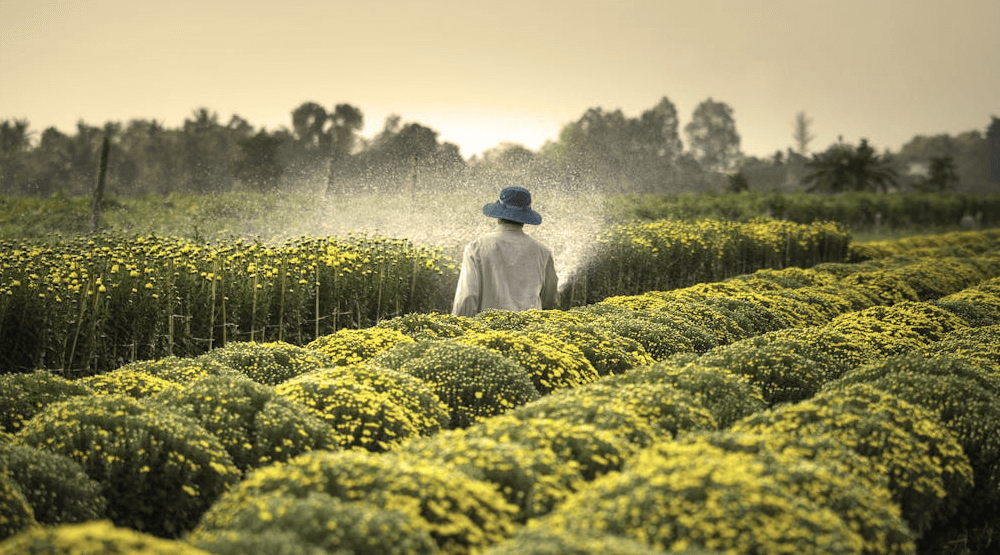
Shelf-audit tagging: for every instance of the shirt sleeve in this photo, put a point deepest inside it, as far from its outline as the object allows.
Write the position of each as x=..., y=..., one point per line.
x=550, y=286
x=467, y=293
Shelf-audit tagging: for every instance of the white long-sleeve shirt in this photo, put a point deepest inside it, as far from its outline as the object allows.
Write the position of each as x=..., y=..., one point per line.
x=506, y=269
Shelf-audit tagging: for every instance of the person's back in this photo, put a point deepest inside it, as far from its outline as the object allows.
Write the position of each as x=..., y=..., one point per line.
x=507, y=269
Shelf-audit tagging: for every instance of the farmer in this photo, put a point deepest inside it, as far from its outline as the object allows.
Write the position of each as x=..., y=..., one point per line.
x=507, y=269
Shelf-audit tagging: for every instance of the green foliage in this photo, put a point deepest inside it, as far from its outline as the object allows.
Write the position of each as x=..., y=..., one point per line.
x=784, y=369
x=551, y=363
x=676, y=496
x=473, y=381
x=639, y=412
x=268, y=363
x=728, y=396
x=15, y=511
x=133, y=383
x=311, y=524
x=536, y=540
x=355, y=346
x=54, y=486
x=98, y=537
x=533, y=479
x=928, y=472
x=158, y=470
x=463, y=515
x=589, y=448
x=24, y=395
x=843, y=168
x=255, y=425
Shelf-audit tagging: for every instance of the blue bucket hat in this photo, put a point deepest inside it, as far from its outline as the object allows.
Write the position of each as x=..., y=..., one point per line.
x=514, y=205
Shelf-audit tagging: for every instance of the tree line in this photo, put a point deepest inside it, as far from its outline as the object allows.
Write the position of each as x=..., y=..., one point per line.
x=323, y=150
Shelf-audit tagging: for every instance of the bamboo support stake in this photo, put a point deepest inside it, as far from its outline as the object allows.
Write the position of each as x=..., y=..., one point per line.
x=95, y=208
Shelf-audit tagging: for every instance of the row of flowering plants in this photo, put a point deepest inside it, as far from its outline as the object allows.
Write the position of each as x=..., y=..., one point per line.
x=743, y=416
x=88, y=304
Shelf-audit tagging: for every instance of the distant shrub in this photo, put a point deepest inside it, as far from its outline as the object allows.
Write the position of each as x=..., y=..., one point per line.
x=882, y=287
x=255, y=425
x=785, y=370
x=473, y=381
x=54, y=486
x=268, y=363
x=133, y=383
x=593, y=450
x=461, y=514
x=538, y=540
x=608, y=352
x=98, y=537
x=432, y=325
x=928, y=472
x=158, y=470
x=24, y=395
x=313, y=523
x=535, y=480
x=679, y=496
x=639, y=412
x=181, y=370
x=551, y=363
x=359, y=415
x=354, y=346
x=15, y=511
x=728, y=396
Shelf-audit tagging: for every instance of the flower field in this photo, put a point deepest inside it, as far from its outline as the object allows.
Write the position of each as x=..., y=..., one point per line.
x=813, y=396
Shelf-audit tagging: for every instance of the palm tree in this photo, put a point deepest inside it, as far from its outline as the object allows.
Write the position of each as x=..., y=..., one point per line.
x=842, y=168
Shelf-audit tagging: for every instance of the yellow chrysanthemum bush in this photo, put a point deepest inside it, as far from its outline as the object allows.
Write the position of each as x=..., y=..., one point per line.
x=845, y=350
x=639, y=412
x=15, y=511
x=180, y=369
x=24, y=395
x=550, y=362
x=658, y=339
x=886, y=331
x=882, y=286
x=507, y=320
x=158, y=470
x=367, y=406
x=354, y=346
x=592, y=450
x=98, y=537
x=473, y=381
x=463, y=515
x=311, y=523
x=674, y=496
x=728, y=396
x=534, y=479
x=608, y=352
x=532, y=540
x=433, y=325
x=827, y=473
x=255, y=425
x=268, y=363
x=133, y=383
x=967, y=399
x=928, y=472
x=54, y=485
x=785, y=369
x=977, y=345
x=976, y=308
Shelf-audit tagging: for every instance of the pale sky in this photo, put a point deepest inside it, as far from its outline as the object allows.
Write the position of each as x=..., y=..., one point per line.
x=481, y=72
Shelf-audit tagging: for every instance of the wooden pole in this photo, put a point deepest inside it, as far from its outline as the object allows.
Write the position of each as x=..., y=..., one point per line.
x=95, y=208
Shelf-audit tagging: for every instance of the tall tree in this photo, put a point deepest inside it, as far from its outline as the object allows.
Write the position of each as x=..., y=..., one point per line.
x=802, y=136
x=15, y=142
x=712, y=136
